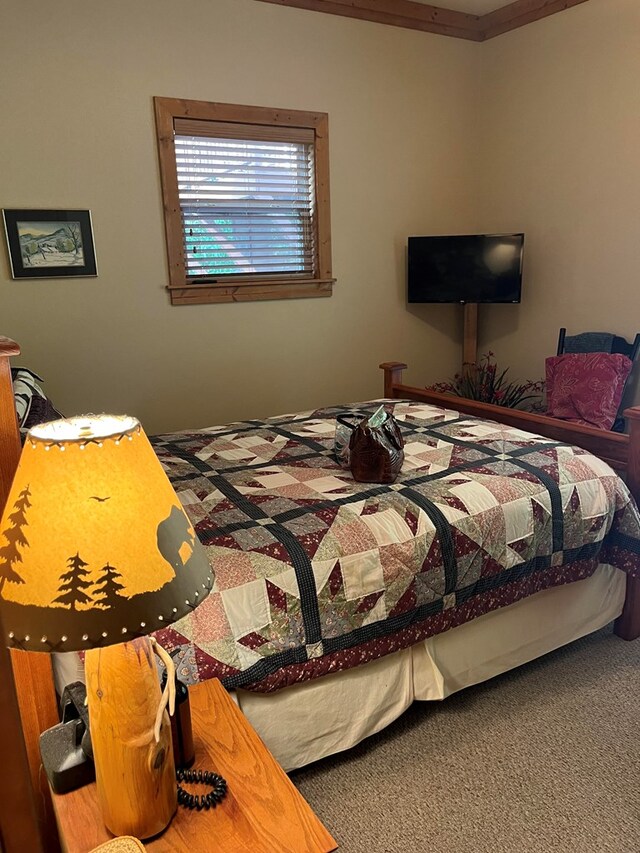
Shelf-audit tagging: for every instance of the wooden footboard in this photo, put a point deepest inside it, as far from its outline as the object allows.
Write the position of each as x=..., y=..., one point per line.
x=622, y=452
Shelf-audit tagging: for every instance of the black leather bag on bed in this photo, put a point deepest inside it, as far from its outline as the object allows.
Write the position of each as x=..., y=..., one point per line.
x=375, y=452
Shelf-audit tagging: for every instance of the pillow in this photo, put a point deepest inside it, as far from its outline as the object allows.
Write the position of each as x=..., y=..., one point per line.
x=32, y=404
x=586, y=387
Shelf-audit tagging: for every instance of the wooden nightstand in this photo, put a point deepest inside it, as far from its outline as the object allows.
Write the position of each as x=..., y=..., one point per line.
x=262, y=812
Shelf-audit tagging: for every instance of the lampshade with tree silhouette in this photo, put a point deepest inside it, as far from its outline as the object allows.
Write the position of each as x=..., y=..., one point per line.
x=95, y=547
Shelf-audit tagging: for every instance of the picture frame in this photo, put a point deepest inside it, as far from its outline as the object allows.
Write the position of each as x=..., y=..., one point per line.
x=50, y=243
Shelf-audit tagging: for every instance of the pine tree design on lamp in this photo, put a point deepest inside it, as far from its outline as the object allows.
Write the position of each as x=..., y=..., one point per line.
x=96, y=552
x=73, y=582
x=14, y=537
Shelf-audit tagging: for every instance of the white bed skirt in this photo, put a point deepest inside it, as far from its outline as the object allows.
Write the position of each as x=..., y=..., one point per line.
x=309, y=721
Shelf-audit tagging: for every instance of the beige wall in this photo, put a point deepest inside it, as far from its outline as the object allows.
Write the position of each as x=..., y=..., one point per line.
x=536, y=130
x=77, y=131
x=560, y=120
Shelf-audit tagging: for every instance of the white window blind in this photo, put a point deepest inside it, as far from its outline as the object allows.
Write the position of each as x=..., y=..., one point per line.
x=247, y=204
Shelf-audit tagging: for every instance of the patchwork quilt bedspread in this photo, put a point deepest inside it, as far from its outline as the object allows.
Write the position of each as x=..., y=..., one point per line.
x=316, y=573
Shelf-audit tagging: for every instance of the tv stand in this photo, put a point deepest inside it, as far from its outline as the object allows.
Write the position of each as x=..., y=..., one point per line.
x=470, y=343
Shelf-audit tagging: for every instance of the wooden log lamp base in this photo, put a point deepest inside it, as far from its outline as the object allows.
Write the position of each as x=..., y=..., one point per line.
x=135, y=775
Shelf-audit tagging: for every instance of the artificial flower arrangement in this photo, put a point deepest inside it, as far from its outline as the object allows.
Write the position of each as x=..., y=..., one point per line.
x=482, y=381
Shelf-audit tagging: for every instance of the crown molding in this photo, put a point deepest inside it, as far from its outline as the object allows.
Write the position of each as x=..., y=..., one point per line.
x=433, y=19
x=520, y=13
x=397, y=13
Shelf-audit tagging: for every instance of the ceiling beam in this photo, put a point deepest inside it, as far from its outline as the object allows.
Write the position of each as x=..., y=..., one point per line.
x=433, y=19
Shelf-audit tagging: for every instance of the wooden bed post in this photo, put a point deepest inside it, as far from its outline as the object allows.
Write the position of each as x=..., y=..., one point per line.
x=633, y=466
x=32, y=673
x=392, y=376
x=19, y=830
x=9, y=435
x=627, y=625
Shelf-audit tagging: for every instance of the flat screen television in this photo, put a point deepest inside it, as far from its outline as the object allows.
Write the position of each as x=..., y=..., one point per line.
x=465, y=268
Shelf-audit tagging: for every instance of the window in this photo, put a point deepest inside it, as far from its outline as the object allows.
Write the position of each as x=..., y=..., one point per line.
x=246, y=201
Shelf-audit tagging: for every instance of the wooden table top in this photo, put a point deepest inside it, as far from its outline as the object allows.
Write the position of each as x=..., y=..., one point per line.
x=262, y=813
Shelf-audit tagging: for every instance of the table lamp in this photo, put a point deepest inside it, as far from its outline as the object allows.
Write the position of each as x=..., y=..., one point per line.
x=96, y=552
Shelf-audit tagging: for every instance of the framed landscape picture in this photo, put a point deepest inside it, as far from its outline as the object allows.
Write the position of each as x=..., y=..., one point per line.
x=50, y=243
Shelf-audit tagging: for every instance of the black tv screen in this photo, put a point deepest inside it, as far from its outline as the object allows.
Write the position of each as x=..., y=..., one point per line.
x=468, y=268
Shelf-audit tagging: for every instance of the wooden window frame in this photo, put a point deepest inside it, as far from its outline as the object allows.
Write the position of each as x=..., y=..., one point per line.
x=242, y=288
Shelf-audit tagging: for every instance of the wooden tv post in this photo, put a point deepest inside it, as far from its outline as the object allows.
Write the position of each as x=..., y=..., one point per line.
x=470, y=341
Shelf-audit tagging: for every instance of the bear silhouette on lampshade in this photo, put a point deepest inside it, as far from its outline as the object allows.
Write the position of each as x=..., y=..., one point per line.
x=95, y=547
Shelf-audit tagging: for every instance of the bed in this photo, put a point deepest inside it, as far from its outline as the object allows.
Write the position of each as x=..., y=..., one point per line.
x=338, y=604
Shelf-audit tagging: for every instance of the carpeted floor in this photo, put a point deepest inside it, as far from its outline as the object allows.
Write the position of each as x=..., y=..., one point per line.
x=544, y=758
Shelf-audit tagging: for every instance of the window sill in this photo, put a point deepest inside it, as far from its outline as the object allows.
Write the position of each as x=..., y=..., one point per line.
x=202, y=294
